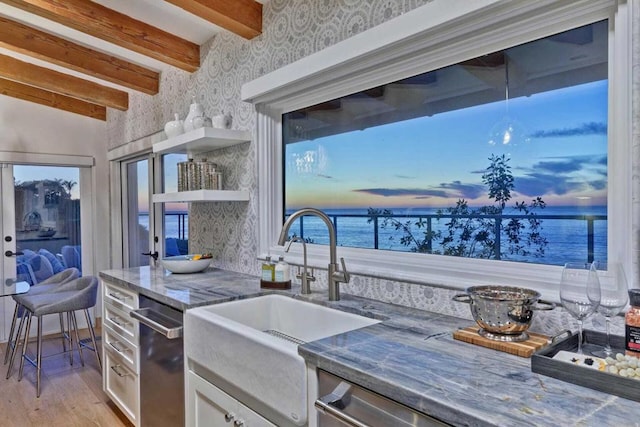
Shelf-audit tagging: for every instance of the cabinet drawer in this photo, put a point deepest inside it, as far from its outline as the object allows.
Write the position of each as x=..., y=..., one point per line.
x=121, y=323
x=121, y=298
x=116, y=344
x=121, y=385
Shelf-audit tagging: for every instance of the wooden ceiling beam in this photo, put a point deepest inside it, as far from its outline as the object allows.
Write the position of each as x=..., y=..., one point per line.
x=242, y=17
x=30, y=41
x=54, y=81
x=51, y=99
x=122, y=30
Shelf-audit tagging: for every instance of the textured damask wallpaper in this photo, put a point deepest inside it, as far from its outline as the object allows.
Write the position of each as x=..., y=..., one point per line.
x=292, y=29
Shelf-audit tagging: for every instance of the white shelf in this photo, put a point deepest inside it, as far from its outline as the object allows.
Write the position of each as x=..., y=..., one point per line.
x=202, y=196
x=202, y=140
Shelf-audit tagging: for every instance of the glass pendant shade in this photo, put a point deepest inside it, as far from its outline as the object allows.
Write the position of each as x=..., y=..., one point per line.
x=507, y=131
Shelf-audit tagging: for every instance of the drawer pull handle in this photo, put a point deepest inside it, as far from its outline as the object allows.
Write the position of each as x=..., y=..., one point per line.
x=118, y=296
x=116, y=348
x=115, y=369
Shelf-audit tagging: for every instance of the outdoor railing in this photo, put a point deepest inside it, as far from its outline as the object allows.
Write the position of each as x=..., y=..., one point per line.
x=179, y=220
x=429, y=218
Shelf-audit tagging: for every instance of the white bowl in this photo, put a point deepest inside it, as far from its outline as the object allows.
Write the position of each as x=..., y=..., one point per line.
x=185, y=264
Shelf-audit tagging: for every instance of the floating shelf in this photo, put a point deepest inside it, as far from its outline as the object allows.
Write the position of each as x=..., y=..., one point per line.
x=202, y=196
x=202, y=140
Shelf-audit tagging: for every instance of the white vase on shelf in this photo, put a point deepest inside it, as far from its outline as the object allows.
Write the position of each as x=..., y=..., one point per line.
x=201, y=121
x=222, y=121
x=174, y=127
x=195, y=110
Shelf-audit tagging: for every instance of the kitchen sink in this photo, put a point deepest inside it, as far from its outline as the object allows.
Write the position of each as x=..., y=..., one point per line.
x=251, y=345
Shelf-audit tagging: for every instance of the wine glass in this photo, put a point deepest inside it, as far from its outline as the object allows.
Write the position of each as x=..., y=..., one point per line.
x=614, y=297
x=580, y=292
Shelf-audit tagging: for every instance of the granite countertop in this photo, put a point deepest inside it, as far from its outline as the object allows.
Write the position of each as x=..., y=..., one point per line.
x=184, y=291
x=411, y=357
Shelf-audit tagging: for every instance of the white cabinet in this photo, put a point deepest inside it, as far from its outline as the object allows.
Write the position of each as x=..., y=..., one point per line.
x=199, y=141
x=209, y=406
x=120, y=350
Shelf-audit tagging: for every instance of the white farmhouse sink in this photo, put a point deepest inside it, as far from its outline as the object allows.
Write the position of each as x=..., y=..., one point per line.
x=251, y=344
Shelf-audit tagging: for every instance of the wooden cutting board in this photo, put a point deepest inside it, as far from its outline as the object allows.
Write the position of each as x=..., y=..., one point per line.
x=522, y=349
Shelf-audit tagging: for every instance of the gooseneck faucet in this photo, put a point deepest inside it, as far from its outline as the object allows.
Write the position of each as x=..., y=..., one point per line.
x=335, y=276
x=305, y=277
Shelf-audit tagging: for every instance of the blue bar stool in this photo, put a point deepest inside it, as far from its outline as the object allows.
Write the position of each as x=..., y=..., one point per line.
x=79, y=294
x=48, y=285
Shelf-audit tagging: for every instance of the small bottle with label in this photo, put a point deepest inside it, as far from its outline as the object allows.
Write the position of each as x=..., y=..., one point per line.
x=632, y=324
x=268, y=270
x=282, y=271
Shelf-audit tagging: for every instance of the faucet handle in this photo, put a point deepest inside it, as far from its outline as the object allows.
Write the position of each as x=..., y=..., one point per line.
x=345, y=273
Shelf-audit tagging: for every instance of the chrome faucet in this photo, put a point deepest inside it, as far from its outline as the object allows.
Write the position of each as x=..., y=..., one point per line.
x=335, y=276
x=304, y=277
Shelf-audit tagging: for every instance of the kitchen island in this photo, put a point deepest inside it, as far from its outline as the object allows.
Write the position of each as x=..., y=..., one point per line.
x=410, y=357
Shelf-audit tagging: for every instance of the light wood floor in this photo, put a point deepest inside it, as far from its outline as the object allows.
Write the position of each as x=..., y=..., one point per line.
x=71, y=396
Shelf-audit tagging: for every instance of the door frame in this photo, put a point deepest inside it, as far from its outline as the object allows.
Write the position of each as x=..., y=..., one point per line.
x=118, y=158
x=85, y=165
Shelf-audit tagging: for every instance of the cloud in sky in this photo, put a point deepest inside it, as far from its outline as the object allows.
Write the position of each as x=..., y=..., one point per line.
x=554, y=176
x=539, y=184
x=455, y=189
x=560, y=166
x=591, y=128
x=394, y=192
x=467, y=191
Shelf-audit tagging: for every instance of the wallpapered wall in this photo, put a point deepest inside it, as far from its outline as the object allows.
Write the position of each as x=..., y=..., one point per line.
x=292, y=29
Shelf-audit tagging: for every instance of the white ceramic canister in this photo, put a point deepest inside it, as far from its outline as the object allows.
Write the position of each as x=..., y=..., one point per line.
x=218, y=121
x=195, y=110
x=174, y=127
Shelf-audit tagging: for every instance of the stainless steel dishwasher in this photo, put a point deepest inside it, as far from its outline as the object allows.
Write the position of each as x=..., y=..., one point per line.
x=161, y=364
x=346, y=404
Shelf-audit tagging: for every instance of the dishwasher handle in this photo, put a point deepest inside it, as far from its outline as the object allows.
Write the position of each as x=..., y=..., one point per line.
x=338, y=399
x=171, y=329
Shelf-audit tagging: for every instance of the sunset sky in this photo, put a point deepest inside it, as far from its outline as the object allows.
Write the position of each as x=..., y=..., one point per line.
x=434, y=161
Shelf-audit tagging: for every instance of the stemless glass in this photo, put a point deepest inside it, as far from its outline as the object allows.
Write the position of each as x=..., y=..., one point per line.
x=580, y=292
x=614, y=297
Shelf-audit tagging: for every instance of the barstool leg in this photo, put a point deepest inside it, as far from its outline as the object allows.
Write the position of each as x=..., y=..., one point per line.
x=24, y=346
x=11, y=345
x=39, y=357
x=75, y=326
x=15, y=350
x=87, y=316
x=70, y=339
x=63, y=332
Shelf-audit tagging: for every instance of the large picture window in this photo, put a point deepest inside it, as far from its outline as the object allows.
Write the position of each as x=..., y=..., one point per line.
x=503, y=156
x=408, y=119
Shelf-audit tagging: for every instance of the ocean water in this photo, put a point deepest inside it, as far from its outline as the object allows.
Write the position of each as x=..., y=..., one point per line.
x=567, y=238
x=173, y=224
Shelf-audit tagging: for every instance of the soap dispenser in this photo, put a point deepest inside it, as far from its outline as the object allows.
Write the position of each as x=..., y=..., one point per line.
x=282, y=271
x=268, y=270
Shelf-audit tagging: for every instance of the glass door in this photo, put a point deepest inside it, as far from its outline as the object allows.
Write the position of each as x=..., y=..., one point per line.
x=41, y=223
x=151, y=231
x=137, y=212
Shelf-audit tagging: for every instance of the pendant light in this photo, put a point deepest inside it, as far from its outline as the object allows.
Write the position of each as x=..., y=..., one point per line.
x=508, y=131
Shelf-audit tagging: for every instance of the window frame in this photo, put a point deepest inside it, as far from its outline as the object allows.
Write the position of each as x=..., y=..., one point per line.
x=433, y=36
